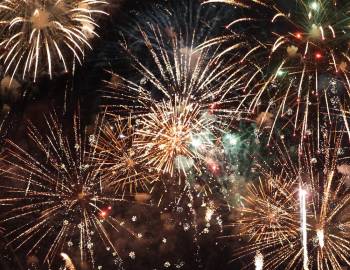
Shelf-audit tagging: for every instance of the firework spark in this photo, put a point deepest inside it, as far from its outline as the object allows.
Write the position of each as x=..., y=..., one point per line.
x=57, y=195
x=68, y=261
x=259, y=261
x=41, y=34
x=305, y=231
x=297, y=67
x=120, y=162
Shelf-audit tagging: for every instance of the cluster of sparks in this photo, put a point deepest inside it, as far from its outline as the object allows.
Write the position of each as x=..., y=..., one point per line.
x=297, y=69
x=194, y=96
x=58, y=194
x=297, y=218
x=120, y=161
x=45, y=35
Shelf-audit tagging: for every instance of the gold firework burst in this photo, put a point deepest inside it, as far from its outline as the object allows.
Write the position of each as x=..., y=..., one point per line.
x=182, y=98
x=57, y=195
x=309, y=230
x=172, y=137
x=121, y=163
x=45, y=34
x=269, y=220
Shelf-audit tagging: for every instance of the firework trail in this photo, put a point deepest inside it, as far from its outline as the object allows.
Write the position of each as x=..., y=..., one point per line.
x=303, y=227
x=259, y=261
x=296, y=68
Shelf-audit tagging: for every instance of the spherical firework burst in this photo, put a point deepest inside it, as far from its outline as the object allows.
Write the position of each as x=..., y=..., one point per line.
x=121, y=163
x=174, y=136
x=269, y=220
x=293, y=59
x=57, y=195
x=298, y=218
x=182, y=96
x=46, y=35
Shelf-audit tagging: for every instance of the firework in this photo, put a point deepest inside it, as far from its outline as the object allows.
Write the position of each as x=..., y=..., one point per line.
x=174, y=136
x=270, y=220
x=183, y=96
x=43, y=34
x=57, y=195
x=298, y=218
x=120, y=162
x=187, y=20
x=303, y=221
x=259, y=261
x=295, y=67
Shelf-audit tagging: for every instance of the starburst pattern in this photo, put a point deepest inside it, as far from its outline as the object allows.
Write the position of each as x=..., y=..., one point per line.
x=174, y=136
x=121, y=163
x=272, y=216
x=45, y=34
x=184, y=95
x=57, y=195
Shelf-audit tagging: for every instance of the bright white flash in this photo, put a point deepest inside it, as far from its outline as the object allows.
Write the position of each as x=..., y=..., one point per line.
x=302, y=197
x=320, y=237
x=259, y=261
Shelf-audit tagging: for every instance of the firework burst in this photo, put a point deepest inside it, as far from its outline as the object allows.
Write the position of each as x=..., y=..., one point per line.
x=270, y=220
x=57, y=195
x=296, y=68
x=40, y=35
x=180, y=100
x=120, y=162
x=173, y=136
x=298, y=218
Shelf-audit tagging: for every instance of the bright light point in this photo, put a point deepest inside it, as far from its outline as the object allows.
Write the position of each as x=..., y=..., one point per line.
x=214, y=167
x=231, y=139
x=209, y=214
x=121, y=136
x=68, y=262
x=64, y=256
x=103, y=214
x=318, y=56
x=320, y=237
x=298, y=35
x=196, y=142
x=259, y=261
x=314, y=5
x=280, y=73
x=302, y=192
